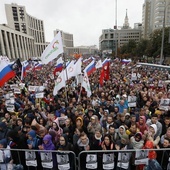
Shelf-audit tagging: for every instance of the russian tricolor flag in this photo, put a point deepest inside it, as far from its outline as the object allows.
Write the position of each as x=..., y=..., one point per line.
x=6, y=72
x=38, y=66
x=105, y=62
x=90, y=68
x=59, y=65
x=124, y=61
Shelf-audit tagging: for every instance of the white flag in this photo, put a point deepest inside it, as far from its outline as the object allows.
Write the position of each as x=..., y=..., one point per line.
x=78, y=67
x=53, y=49
x=98, y=64
x=60, y=82
x=59, y=61
x=86, y=84
x=70, y=70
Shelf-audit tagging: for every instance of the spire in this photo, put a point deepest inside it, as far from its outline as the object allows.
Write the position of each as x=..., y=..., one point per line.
x=126, y=21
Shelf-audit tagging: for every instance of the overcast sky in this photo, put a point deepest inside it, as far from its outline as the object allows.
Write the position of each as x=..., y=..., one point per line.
x=85, y=19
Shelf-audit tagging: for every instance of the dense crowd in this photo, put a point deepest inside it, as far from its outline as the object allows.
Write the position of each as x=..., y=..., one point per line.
x=71, y=121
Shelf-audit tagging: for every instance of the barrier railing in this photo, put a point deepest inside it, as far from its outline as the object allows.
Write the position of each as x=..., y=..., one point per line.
x=124, y=159
x=93, y=159
x=37, y=159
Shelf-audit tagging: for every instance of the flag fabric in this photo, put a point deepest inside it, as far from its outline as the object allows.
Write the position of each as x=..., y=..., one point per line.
x=38, y=66
x=17, y=67
x=86, y=84
x=78, y=65
x=70, y=70
x=5, y=58
x=124, y=61
x=90, y=68
x=60, y=82
x=104, y=63
x=26, y=66
x=107, y=71
x=98, y=64
x=53, y=49
x=59, y=65
x=104, y=75
x=6, y=72
x=101, y=77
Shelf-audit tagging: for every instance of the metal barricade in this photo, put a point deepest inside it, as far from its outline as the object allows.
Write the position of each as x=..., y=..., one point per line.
x=121, y=159
x=37, y=159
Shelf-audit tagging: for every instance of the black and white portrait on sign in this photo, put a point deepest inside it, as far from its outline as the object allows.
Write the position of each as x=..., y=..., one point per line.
x=91, y=158
x=46, y=156
x=164, y=104
x=46, y=159
x=108, y=161
x=91, y=161
x=30, y=158
x=63, y=161
x=141, y=157
x=123, y=160
x=132, y=101
x=30, y=155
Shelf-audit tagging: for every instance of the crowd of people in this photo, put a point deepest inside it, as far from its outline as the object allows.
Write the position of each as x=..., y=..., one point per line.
x=71, y=121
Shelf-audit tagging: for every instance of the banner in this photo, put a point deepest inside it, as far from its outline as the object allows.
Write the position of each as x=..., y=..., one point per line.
x=53, y=49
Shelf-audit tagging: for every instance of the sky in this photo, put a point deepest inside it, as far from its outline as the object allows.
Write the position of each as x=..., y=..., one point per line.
x=85, y=19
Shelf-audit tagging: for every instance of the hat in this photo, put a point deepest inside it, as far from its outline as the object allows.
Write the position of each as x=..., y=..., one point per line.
x=3, y=142
x=154, y=127
x=93, y=117
x=125, y=137
x=127, y=114
x=158, y=112
x=138, y=134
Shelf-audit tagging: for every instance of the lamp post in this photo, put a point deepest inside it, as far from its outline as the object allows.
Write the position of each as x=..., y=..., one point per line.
x=163, y=32
x=115, y=28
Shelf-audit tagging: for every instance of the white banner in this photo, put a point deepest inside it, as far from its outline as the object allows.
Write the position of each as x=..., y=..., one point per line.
x=39, y=95
x=53, y=49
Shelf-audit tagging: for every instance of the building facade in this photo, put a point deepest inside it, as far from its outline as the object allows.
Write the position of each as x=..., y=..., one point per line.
x=155, y=13
x=15, y=44
x=68, y=45
x=111, y=39
x=67, y=38
x=19, y=20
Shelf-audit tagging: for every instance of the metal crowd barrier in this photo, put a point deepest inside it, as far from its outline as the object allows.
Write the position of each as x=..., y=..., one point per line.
x=121, y=159
x=37, y=159
x=93, y=159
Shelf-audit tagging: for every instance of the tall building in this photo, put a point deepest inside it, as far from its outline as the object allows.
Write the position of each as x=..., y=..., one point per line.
x=111, y=39
x=67, y=38
x=68, y=45
x=154, y=14
x=15, y=44
x=19, y=20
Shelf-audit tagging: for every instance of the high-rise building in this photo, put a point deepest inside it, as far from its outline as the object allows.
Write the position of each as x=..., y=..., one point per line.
x=19, y=20
x=111, y=39
x=67, y=38
x=15, y=44
x=154, y=14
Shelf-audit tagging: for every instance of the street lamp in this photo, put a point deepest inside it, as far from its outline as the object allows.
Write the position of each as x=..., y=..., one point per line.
x=163, y=32
x=115, y=28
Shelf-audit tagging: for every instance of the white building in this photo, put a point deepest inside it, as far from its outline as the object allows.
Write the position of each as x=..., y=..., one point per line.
x=111, y=39
x=153, y=15
x=19, y=20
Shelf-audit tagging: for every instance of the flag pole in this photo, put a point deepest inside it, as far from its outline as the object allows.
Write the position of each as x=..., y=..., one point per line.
x=66, y=77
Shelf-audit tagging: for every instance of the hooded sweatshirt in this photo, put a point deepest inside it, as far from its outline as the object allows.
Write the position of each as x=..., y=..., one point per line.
x=142, y=126
x=49, y=145
x=137, y=144
x=34, y=141
x=152, y=137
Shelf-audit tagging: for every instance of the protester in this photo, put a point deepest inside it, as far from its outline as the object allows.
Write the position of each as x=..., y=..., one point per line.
x=75, y=121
